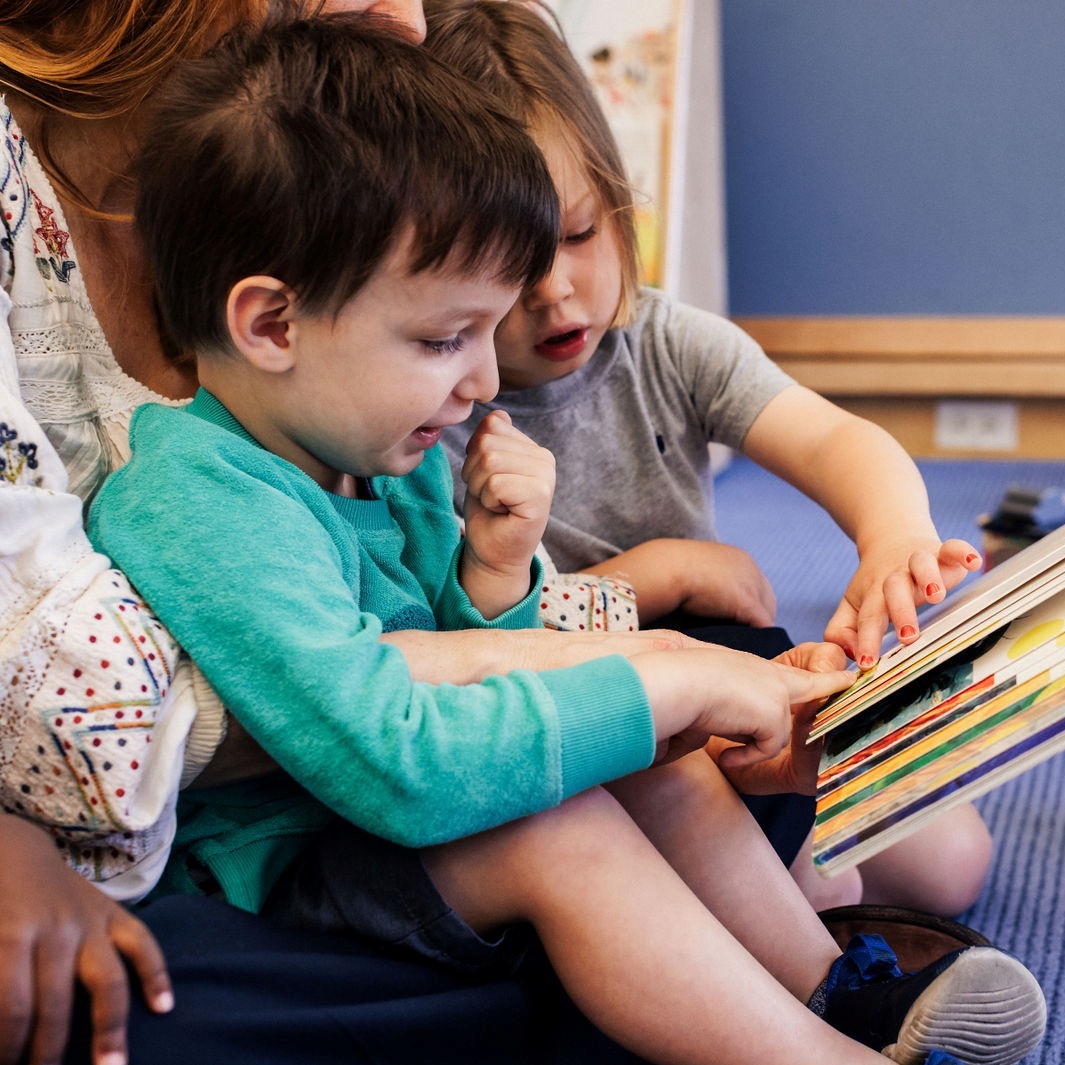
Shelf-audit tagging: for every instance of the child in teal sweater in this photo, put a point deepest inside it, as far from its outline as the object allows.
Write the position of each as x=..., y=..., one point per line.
x=372, y=219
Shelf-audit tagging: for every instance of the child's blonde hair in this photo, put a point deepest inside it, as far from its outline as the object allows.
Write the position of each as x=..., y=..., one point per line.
x=518, y=52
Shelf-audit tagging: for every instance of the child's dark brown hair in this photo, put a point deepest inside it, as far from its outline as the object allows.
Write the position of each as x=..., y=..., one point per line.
x=304, y=150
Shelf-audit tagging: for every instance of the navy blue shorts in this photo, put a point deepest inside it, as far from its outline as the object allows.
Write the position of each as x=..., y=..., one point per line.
x=351, y=882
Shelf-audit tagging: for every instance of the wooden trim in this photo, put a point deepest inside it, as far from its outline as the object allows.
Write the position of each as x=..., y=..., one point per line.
x=1000, y=357
x=912, y=421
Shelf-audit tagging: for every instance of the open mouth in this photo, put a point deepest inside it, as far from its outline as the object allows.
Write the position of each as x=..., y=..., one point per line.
x=563, y=346
x=563, y=338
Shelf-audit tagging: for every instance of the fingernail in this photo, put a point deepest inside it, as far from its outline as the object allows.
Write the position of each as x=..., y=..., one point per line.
x=866, y=662
x=163, y=1002
x=932, y=589
x=907, y=631
x=972, y=557
x=112, y=1057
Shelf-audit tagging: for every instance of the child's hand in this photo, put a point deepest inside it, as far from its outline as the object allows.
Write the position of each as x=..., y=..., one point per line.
x=794, y=769
x=725, y=582
x=509, y=485
x=696, y=693
x=57, y=929
x=889, y=585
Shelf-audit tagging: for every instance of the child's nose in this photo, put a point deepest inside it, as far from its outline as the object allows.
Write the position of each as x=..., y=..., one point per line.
x=554, y=288
x=482, y=382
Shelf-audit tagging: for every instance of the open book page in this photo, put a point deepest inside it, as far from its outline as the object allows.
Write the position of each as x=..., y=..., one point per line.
x=978, y=698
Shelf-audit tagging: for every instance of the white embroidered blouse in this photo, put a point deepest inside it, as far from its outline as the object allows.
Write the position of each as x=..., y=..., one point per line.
x=98, y=707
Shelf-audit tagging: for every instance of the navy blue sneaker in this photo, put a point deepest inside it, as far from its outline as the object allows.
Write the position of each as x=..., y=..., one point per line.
x=977, y=1004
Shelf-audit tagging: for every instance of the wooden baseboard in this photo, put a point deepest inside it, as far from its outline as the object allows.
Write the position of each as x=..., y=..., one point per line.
x=897, y=371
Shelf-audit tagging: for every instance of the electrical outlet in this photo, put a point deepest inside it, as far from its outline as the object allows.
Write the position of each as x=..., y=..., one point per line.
x=977, y=425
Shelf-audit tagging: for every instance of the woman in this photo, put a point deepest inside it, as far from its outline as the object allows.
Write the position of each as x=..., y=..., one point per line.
x=96, y=697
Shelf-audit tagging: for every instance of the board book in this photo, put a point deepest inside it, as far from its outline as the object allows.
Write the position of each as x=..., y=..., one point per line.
x=976, y=699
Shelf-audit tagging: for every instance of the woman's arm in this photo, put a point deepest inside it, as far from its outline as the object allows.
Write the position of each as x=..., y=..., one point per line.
x=470, y=655
x=874, y=492
x=98, y=703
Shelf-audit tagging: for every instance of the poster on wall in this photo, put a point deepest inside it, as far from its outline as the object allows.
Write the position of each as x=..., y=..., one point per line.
x=629, y=50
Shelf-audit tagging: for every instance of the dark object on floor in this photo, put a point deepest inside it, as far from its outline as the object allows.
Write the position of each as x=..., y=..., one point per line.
x=918, y=939
x=1023, y=516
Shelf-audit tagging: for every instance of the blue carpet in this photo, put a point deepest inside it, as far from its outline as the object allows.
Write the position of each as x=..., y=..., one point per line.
x=809, y=561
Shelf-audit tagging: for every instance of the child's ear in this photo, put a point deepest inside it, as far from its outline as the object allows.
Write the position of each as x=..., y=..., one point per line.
x=259, y=313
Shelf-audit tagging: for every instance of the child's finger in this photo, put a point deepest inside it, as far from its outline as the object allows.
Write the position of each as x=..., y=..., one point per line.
x=956, y=552
x=506, y=454
x=871, y=629
x=898, y=598
x=105, y=980
x=140, y=949
x=842, y=630
x=927, y=577
x=744, y=754
x=16, y=1000
x=816, y=657
x=53, y=994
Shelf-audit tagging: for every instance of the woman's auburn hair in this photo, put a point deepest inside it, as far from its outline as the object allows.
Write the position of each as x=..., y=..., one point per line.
x=100, y=59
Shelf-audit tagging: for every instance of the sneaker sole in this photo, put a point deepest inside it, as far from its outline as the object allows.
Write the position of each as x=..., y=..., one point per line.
x=986, y=1009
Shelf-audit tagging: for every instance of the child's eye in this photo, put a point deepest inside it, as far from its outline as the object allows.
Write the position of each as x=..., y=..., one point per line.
x=447, y=346
x=582, y=237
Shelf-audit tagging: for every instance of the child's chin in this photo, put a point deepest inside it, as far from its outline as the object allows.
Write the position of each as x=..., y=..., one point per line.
x=403, y=464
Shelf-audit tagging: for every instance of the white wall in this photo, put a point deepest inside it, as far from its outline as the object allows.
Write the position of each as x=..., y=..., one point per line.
x=694, y=259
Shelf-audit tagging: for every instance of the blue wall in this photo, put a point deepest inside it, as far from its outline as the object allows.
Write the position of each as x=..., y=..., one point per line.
x=895, y=156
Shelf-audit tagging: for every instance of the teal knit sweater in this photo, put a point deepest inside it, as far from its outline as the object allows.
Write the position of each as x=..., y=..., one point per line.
x=280, y=591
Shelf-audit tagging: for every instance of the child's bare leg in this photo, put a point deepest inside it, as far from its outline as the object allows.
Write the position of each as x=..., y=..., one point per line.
x=695, y=819
x=822, y=893
x=941, y=868
x=637, y=950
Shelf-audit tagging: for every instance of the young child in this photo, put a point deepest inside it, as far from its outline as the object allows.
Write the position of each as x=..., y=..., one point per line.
x=626, y=388
x=372, y=218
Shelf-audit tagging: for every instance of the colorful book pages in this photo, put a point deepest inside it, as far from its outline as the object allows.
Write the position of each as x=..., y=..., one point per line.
x=977, y=699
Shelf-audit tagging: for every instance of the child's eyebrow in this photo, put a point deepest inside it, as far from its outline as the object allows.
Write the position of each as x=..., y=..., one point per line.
x=587, y=200
x=450, y=317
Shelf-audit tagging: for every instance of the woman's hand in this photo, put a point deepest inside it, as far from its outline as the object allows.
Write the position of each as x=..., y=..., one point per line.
x=708, y=691
x=56, y=930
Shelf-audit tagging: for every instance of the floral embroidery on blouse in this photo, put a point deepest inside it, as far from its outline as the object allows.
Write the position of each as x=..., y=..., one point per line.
x=16, y=455
x=55, y=241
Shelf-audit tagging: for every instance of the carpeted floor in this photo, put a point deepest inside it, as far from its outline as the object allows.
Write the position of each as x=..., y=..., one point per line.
x=809, y=561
